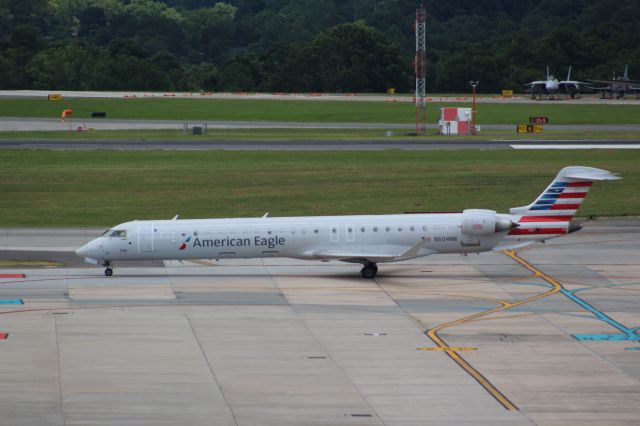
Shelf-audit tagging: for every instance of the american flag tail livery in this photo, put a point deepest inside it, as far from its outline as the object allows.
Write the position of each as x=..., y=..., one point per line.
x=551, y=213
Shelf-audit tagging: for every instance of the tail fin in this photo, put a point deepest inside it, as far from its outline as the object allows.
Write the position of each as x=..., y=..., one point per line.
x=569, y=74
x=626, y=72
x=551, y=213
x=562, y=198
x=548, y=76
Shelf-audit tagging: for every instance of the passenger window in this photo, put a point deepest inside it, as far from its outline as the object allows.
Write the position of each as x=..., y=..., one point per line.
x=412, y=228
x=334, y=230
x=375, y=229
x=350, y=230
x=388, y=228
x=362, y=229
x=399, y=228
x=315, y=231
x=119, y=234
x=424, y=228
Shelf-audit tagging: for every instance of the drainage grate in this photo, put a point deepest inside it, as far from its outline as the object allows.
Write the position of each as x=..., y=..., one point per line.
x=316, y=357
x=361, y=415
x=375, y=334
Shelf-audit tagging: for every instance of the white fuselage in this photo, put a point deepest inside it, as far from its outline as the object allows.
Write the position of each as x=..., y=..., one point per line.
x=552, y=85
x=351, y=238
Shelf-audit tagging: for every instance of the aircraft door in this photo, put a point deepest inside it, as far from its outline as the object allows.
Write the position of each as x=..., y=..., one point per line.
x=145, y=237
x=334, y=233
x=350, y=232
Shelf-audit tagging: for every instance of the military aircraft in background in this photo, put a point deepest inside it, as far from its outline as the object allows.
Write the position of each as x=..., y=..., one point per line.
x=552, y=87
x=367, y=240
x=618, y=86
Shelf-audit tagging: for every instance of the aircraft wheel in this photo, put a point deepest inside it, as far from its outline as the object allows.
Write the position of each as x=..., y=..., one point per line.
x=369, y=271
x=108, y=272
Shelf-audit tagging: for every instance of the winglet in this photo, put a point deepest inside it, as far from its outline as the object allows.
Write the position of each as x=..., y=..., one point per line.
x=266, y=215
x=176, y=217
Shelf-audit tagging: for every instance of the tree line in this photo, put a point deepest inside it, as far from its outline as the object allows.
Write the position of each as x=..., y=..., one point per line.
x=308, y=45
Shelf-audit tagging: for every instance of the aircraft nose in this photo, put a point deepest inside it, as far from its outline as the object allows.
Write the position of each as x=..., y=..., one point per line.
x=82, y=251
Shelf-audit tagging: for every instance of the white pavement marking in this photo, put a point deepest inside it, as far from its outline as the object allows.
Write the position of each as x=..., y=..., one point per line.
x=585, y=146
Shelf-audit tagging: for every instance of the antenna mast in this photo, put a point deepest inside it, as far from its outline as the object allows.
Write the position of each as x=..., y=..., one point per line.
x=420, y=63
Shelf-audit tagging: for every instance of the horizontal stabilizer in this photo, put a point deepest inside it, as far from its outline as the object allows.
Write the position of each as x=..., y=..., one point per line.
x=586, y=173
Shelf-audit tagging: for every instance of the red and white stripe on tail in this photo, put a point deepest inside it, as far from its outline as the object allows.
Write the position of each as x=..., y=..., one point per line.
x=551, y=213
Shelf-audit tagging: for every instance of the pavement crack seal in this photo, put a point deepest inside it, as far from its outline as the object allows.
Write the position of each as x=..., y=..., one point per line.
x=452, y=352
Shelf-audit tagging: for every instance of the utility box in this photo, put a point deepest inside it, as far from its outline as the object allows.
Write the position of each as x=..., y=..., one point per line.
x=455, y=121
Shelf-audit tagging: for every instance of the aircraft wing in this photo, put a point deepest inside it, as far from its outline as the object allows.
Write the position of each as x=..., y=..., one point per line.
x=376, y=253
x=615, y=81
x=571, y=86
x=536, y=83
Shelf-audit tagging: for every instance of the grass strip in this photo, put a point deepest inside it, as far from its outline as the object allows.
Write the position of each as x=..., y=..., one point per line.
x=102, y=188
x=311, y=111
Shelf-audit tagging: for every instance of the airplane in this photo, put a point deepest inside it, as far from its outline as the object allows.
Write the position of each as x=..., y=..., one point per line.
x=367, y=240
x=618, y=86
x=551, y=86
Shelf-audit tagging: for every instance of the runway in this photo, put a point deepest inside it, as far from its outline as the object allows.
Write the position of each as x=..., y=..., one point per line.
x=551, y=331
x=315, y=145
x=314, y=97
x=21, y=124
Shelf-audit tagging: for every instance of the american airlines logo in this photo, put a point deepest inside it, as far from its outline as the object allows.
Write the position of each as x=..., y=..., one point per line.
x=183, y=246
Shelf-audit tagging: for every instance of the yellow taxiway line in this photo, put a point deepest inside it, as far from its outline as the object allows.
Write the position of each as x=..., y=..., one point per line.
x=452, y=352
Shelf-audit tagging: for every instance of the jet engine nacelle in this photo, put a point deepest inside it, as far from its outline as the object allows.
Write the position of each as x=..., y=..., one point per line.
x=484, y=222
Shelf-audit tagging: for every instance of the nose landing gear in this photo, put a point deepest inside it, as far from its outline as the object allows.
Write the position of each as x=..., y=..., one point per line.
x=108, y=271
x=369, y=270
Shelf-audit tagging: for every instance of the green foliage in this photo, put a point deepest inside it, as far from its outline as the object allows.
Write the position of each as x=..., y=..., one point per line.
x=310, y=45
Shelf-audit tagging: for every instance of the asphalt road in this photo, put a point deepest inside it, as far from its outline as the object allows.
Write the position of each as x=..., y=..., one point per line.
x=345, y=97
x=306, y=145
x=20, y=124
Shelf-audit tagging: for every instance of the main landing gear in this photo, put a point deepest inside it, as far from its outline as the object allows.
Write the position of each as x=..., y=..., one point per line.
x=108, y=271
x=369, y=270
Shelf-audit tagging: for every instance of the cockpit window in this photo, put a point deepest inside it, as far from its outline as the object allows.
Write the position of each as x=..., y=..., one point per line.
x=118, y=233
x=105, y=232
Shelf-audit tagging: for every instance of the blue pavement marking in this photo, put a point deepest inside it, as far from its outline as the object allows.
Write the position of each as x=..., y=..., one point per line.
x=607, y=337
x=11, y=302
x=628, y=333
x=635, y=348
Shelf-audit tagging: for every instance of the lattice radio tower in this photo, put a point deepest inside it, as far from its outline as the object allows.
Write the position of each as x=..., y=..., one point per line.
x=420, y=63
